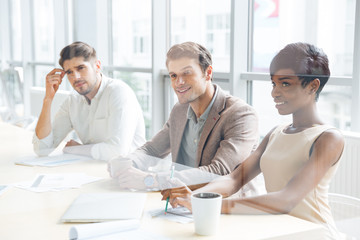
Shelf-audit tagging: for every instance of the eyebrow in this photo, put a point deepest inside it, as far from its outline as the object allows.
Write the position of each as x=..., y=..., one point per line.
x=284, y=78
x=78, y=66
x=184, y=68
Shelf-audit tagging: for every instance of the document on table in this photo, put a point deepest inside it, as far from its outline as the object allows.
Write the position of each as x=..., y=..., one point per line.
x=3, y=188
x=105, y=206
x=114, y=230
x=56, y=181
x=51, y=161
x=179, y=214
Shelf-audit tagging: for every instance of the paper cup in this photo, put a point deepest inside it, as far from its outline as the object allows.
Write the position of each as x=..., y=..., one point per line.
x=206, y=209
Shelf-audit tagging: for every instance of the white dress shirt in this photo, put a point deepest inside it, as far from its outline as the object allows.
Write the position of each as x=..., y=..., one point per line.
x=112, y=125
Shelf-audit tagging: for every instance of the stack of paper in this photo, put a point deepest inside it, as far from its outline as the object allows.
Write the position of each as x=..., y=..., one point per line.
x=105, y=206
x=57, y=182
x=51, y=161
x=115, y=230
x=3, y=188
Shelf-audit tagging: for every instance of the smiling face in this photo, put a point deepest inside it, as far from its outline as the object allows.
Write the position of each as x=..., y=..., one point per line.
x=289, y=95
x=188, y=80
x=82, y=74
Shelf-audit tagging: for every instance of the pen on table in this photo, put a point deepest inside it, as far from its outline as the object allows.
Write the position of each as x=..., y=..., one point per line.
x=167, y=200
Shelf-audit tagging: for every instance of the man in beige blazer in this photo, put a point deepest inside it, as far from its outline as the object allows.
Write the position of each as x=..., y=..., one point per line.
x=208, y=130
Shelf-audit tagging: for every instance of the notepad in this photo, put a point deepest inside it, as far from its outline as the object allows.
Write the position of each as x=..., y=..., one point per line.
x=100, y=207
x=179, y=214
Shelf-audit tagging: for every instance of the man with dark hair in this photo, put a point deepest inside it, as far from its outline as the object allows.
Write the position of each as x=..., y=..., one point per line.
x=207, y=130
x=105, y=113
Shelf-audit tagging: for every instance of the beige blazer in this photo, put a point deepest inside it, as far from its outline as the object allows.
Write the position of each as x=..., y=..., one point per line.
x=230, y=134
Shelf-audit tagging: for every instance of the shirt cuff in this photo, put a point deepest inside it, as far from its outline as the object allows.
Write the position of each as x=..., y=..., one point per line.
x=48, y=140
x=162, y=179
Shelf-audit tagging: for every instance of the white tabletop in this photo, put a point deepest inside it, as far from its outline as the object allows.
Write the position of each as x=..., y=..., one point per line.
x=29, y=215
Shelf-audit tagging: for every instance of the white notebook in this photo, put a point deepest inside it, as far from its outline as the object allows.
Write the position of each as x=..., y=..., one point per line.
x=100, y=207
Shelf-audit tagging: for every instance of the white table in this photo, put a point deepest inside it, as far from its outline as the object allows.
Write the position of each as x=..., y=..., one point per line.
x=29, y=215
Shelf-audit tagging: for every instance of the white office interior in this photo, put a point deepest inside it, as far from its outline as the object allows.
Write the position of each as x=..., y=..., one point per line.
x=131, y=38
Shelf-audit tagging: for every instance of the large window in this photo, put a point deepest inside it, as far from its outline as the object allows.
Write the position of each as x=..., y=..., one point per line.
x=141, y=84
x=131, y=30
x=44, y=30
x=206, y=22
x=242, y=40
x=279, y=22
x=16, y=36
x=43, y=13
x=131, y=44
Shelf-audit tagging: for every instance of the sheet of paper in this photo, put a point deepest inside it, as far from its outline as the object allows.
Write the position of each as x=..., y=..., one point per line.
x=179, y=214
x=56, y=182
x=100, y=207
x=51, y=161
x=99, y=229
x=3, y=188
x=114, y=230
x=132, y=235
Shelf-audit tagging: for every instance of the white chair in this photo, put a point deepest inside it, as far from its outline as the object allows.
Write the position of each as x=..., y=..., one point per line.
x=346, y=213
x=11, y=98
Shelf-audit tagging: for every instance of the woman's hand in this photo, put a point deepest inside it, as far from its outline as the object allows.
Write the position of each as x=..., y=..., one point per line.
x=178, y=196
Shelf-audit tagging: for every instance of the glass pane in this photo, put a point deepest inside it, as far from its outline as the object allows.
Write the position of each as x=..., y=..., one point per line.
x=279, y=22
x=16, y=30
x=141, y=84
x=334, y=106
x=131, y=33
x=44, y=30
x=206, y=22
x=40, y=75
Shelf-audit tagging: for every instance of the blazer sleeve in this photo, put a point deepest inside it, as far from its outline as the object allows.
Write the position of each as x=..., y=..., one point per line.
x=239, y=137
x=154, y=150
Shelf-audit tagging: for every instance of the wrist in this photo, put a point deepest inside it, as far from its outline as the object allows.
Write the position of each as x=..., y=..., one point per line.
x=47, y=100
x=151, y=181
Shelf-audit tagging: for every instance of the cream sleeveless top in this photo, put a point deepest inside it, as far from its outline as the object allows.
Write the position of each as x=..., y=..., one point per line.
x=285, y=154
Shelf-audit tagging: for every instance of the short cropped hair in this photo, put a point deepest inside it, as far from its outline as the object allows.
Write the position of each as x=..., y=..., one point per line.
x=190, y=50
x=306, y=60
x=77, y=49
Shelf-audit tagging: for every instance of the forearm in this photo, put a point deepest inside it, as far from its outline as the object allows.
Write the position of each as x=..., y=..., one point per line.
x=84, y=150
x=223, y=185
x=43, y=127
x=271, y=203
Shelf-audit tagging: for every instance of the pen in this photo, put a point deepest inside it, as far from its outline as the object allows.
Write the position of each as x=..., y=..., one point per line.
x=167, y=200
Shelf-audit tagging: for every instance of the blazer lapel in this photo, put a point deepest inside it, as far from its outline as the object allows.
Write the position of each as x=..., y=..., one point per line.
x=180, y=120
x=212, y=119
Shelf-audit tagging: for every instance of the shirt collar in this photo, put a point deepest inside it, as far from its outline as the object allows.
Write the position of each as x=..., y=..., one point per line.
x=103, y=84
x=191, y=114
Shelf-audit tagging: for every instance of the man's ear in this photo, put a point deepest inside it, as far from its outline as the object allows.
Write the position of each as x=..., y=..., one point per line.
x=209, y=72
x=98, y=66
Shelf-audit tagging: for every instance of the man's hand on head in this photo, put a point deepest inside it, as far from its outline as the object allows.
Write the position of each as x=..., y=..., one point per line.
x=53, y=81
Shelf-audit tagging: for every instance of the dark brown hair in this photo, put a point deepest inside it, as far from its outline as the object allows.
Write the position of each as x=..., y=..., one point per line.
x=77, y=49
x=306, y=60
x=190, y=50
